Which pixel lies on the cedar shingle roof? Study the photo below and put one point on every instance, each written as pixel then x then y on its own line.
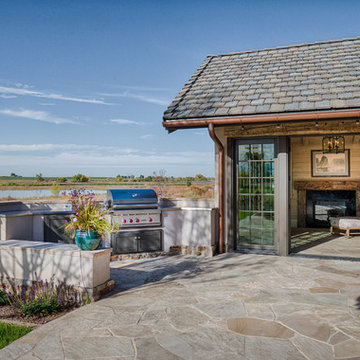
pixel 307 77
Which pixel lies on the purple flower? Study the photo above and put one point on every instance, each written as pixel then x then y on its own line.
pixel 74 219
pixel 65 221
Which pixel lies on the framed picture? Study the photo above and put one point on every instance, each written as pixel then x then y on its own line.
pixel 330 164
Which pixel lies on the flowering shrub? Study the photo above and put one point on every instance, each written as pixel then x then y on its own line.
pixel 43 298
pixel 88 215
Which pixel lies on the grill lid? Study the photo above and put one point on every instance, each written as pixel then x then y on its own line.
pixel 131 198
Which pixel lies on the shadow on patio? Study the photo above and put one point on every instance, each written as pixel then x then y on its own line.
pixel 319 243
pixel 165 269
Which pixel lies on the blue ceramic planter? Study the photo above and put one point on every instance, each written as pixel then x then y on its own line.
pixel 87 240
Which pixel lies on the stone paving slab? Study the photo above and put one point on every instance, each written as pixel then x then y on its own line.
pixel 232 306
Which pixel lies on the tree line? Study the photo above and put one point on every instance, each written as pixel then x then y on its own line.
pixel 157 177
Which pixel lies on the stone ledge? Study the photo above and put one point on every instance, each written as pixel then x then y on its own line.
pixel 50 248
pixel 207 251
pixel 137 256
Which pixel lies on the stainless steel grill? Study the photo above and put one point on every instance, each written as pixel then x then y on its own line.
pixel 131 199
pixel 139 218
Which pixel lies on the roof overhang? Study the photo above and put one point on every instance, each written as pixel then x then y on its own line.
pixel 172 125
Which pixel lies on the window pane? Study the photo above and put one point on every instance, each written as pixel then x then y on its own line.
pixel 268 203
pixel 268 220
pixel 256 152
pixel 244 218
pixel 269 169
pixel 244 235
pixel 244 227
pixel 255 168
pixel 268 186
pixel 269 237
pixel 256 202
pixel 244 202
pixel 243 169
pixel 244 152
pixel 256 220
pixel 268 151
pixel 256 236
pixel 243 186
pixel 256 186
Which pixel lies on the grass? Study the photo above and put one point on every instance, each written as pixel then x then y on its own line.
pixel 11 332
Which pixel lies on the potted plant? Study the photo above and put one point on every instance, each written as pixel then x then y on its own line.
pixel 88 223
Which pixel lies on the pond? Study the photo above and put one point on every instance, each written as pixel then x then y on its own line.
pixel 24 194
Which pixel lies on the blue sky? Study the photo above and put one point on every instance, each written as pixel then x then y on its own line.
pixel 84 84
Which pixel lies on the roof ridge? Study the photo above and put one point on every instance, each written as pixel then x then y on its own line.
pixel 285 47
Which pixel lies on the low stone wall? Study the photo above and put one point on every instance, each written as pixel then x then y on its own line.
pixel 27 261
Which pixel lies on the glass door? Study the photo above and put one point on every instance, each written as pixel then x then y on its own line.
pixel 255 194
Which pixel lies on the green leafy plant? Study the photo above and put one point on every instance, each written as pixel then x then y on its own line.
pixel 4 300
pixel 41 307
pixel 43 298
pixel 88 216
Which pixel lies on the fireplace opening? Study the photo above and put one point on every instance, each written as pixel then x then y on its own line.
pixel 322 204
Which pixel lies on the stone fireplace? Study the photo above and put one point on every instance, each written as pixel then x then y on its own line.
pixel 316 198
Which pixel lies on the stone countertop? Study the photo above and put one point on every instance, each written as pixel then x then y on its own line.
pixel 34 212
pixel 47 247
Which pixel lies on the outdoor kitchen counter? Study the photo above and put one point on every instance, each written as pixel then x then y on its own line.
pixel 189 227
pixel 34 212
pixel 26 221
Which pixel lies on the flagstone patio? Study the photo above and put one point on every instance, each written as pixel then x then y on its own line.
pixel 232 306
pixel 321 244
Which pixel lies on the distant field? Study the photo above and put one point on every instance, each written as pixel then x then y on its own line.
pixel 166 189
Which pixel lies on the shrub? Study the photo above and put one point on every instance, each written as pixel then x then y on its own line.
pixel 43 298
pixel 39 177
pixel 80 178
pixel 200 177
pixel 4 300
pixel 61 179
